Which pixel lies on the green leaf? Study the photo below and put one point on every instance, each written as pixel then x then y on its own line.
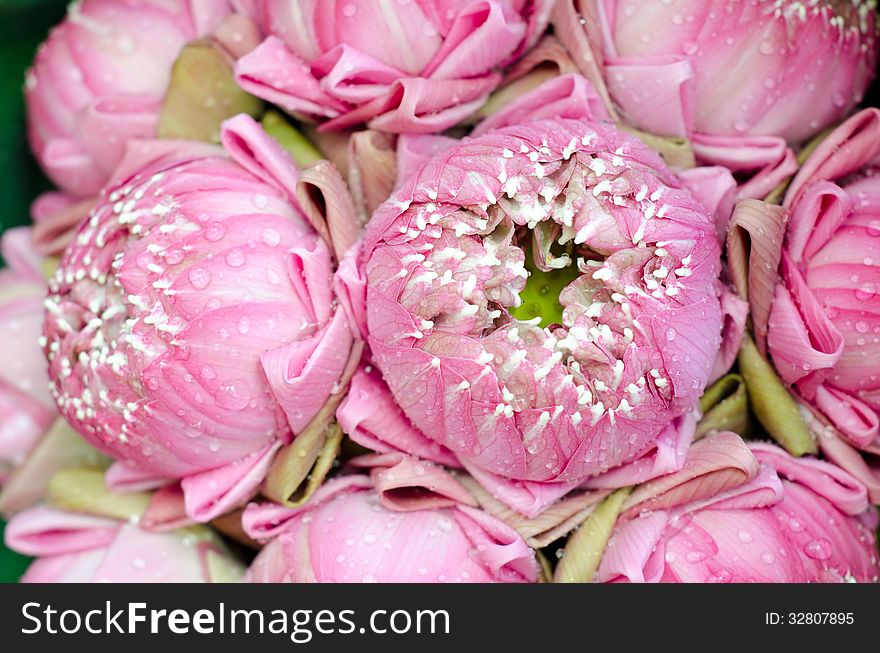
pixel 772 403
pixel 23 25
pixel 12 565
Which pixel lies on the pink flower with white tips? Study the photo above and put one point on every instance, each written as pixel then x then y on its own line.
pixel 401 67
pixel 72 547
pixel 622 265
pixel 791 520
pixel 739 79
pixel 99 81
pixel 356 529
pixel 192 326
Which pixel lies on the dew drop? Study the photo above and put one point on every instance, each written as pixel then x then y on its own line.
pixel 818 549
pixel 199 278
pixel 234 395
pixel 235 258
pixel 271 237
pixel 215 231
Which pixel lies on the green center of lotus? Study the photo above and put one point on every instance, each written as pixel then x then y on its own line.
pixel 540 297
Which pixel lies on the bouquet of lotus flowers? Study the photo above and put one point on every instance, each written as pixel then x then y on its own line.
pixel 483 291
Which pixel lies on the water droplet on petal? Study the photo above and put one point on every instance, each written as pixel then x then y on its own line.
pixel 234 395
pixel 199 278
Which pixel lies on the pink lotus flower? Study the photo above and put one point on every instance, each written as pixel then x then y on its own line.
pixel 797 68
pixel 824 324
pixel 634 261
pixel 795 520
pixel 411 67
pixel 26 406
pixel 360 530
pixel 81 548
pixel 192 326
pixel 99 81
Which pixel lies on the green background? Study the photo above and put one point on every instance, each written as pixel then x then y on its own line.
pixel 23 24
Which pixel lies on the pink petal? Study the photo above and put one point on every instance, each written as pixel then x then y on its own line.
pixel 852 145
pixel 272 72
pixel 210 494
pixel 405 484
pixel 566 96
pixel 768 159
pixel 654 93
pixel 45 531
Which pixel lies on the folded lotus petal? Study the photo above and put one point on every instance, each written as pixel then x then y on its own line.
pixel 801 337
pixel 422 106
pixel 764 490
pixel 371 417
pixel 554 522
pixel 480 36
pixel 715 188
pixel 769 160
pixel 263 521
pixel 666 455
pixel 546 61
pixel 635 551
pixel 584 42
pixel 44 531
pixel 853 419
pixel 327 203
pixel 350 286
pixel 855 143
pixel 754 249
pixel 415 150
pixel 713 465
pixel 59 447
pixel 208 495
pixel 352 76
pixel 256 152
pixel 835 485
pixel 303 374
pixel 55 216
pixel 126 116
pixel 123 476
pixel 87 94
pixel 372 171
pixel 22 259
pixel 567 96
pixel 272 72
pixel 654 93
pixel 404 483
pixel 498 546
pixel 822 210
pixel 528 498
pixel 735 312
pixel 167 510
pixel 862 465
